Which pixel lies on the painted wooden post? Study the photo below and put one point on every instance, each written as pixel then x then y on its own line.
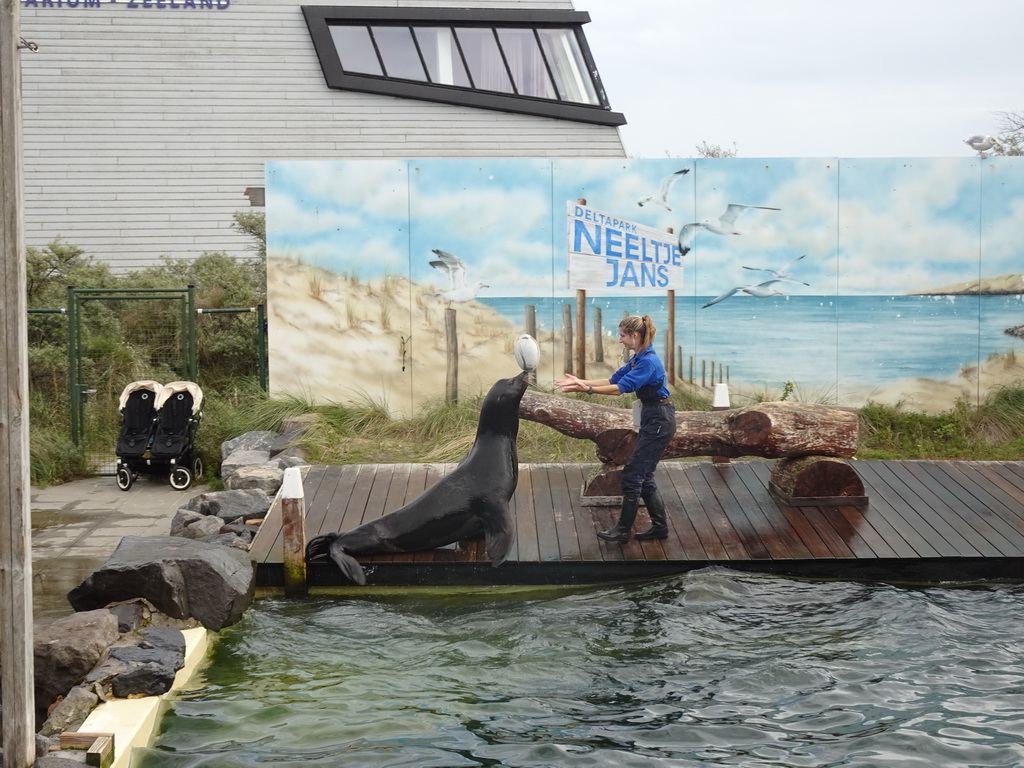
pixel 670 338
pixel 531 328
pixel 451 385
pixel 567 345
pixel 598 336
pixel 293 516
pixel 16 646
pixel 581 333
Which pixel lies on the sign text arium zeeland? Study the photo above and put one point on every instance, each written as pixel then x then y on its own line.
pixel 611 253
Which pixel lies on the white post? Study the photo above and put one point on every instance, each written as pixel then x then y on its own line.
pixel 720 402
pixel 293 514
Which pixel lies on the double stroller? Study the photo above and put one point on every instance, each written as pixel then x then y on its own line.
pixel 158 432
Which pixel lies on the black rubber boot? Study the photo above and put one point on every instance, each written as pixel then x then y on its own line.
pixel 620 531
pixel 659 523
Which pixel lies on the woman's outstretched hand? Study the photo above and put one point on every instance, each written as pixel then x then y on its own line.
pixel 571 384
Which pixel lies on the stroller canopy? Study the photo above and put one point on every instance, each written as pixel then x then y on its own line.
pixel 136 386
pixel 169 390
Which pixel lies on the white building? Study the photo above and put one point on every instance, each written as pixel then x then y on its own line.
pixel 147 122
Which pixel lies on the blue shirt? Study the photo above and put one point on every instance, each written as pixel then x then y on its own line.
pixel 644 368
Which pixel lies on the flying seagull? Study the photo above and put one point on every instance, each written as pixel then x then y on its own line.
pixel 666 184
pixel 455 269
pixel 781 274
pixel 759 291
pixel 981 144
pixel 723 225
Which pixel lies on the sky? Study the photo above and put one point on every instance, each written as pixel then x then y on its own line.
pixel 808 78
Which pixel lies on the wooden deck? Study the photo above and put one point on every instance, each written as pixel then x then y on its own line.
pixel 924 521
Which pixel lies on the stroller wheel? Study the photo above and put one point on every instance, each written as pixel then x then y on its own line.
pixel 197 468
pixel 181 479
pixel 125 478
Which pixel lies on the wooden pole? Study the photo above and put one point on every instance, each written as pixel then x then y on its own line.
pixel 598 336
pixel 16 644
pixel 293 516
pixel 581 333
pixel 567 346
pixel 451 386
pixel 670 338
pixel 531 328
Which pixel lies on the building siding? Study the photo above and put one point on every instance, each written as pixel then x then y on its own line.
pixel 144 126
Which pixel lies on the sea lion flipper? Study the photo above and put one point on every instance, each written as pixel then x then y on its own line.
pixel 318 548
pixel 350 567
pixel 498 542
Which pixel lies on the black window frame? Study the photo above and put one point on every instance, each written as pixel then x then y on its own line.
pixel 319 19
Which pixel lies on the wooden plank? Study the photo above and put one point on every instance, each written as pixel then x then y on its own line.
pixel 947 494
pixel 849 534
pixel 898 477
pixel 876 542
pixel 731 539
pixel 756 485
pixel 562 511
pixel 905 521
pixel 336 484
pixel 733 485
pixel 547 533
pixel 682 542
pixel 695 515
pixel 422 477
pixel 586 533
pixel 998 487
pixel 528 550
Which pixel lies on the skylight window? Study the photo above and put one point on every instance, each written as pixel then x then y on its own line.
pixel 533 62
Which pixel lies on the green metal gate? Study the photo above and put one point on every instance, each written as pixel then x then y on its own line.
pixel 157 333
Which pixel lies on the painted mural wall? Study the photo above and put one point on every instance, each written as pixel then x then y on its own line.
pixel 895 280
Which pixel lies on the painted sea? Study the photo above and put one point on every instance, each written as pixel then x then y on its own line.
pixel 832 343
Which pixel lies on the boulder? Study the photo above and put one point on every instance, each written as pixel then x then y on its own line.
pixel 230 505
pixel 239 459
pixel 180 577
pixel 71 712
pixel 182 519
pixel 265 478
pixel 198 529
pixel 66 649
pixel 250 441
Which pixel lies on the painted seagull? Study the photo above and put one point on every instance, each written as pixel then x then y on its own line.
pixel 982 144
pixel 759 291
pixel 723 225
pixel 455 269
pixel 666 184
pixel 781 274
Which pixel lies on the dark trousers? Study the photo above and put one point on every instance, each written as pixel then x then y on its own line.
pixel 657 426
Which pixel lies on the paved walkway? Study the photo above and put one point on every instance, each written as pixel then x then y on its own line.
pixel 76 526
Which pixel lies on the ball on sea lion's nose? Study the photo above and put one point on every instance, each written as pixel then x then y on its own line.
pixel 527 352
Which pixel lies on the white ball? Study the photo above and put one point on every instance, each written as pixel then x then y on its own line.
pixel 527 352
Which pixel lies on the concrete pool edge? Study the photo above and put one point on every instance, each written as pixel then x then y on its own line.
pixel 133 721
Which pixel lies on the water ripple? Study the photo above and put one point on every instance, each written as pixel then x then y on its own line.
pixel 711 669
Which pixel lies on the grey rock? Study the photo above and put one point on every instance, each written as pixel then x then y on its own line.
pixel 286 441
pixel 286 462
pixel 227 540
pixel 265 478
pixel 182 519
pixel 150 679
pixel 250 441
pixel 164 638
pixel 204 526
pixel 180 577
pixel 239 459
pixel 66 649
pixel 71 712
pixel 230 505
pixel 130 615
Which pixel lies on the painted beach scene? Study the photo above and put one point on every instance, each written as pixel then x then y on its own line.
pixel 845 280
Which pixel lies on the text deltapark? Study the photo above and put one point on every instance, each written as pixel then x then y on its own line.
pixel 203 5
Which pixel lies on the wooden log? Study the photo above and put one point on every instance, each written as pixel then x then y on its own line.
pixel 769 430
pixel 816 480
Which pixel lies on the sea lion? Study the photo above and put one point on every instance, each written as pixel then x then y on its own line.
pixel 470 502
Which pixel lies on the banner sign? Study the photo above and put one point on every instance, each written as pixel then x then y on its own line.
pixel 611 253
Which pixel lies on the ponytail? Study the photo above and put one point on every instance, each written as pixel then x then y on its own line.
pixel 642 325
